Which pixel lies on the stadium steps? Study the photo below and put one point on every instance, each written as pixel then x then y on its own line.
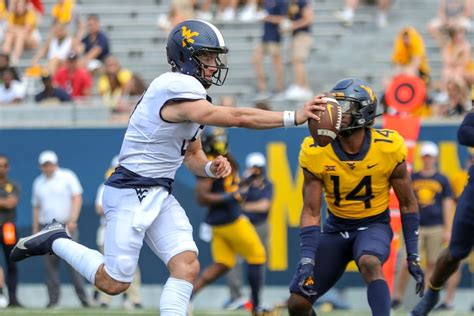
pixel 362 50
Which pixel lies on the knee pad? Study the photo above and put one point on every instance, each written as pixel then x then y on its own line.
pixel 126 265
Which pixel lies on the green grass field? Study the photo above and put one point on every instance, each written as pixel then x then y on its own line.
pixel 117 312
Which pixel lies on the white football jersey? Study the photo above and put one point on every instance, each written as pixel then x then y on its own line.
pixel 153 147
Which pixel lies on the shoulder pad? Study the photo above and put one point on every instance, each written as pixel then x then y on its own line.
pixel 177 86
pixel 388 140
pixel 309 150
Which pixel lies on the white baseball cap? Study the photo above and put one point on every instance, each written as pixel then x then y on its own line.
pixel 429 149
pixel 255 159
pixel 48 156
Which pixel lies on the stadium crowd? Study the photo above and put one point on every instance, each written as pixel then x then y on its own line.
pixel 74 60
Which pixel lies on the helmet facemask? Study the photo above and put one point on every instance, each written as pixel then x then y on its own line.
pixel 214 59
pixel 358 113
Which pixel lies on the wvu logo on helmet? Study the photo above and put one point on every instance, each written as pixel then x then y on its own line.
pixel 369 91
pixel 187 35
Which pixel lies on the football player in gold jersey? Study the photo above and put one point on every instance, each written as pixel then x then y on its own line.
pixel 232 232
pixel 355 172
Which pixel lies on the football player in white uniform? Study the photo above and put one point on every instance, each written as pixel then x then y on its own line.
pixel 163 132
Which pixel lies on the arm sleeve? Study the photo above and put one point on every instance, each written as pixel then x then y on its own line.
pixel 466 131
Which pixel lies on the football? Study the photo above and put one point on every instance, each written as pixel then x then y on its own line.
pixel 327 128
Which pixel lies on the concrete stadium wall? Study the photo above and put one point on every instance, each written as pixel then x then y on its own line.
pixel 88 151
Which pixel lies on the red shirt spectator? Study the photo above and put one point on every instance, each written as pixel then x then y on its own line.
pixel 75 80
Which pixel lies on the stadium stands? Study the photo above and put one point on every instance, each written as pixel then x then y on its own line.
pixel 362 50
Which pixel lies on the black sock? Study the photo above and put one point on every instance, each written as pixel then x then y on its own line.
pixel 1 290
pixel 378 295
pixel 255 281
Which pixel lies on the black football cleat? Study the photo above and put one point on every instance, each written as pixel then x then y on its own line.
pixel 40 243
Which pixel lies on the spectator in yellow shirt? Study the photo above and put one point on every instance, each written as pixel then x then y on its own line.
pixel 67 12
pixel 409 54
pixel 113 84
pixel 21 30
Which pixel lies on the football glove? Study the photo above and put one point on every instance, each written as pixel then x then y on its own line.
pixel 306 281
pixel 417 274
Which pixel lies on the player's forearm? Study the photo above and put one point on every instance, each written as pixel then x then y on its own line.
pixel 257 119
pixel 211 198
pixel 410 226
pixel 196 162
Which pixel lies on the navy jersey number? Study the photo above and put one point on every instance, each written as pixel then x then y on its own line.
pixel 354 195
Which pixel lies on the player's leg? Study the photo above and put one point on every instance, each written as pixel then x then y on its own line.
pixel 111 273
pixel 170 237
pixel 451 287
pixel 244 239
pixel 333 254
pixel 76 278
pixel 462 241
pixel 371 249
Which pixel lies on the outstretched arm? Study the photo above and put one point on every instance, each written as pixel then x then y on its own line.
pixel 203 112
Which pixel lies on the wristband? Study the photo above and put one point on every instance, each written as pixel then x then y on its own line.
pixel 208 171
pixel 307 261
pixel 289 118
pixel 309 241
pixel 411 225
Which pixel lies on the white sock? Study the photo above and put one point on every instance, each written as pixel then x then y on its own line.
pixel 175 297
pixel 84 260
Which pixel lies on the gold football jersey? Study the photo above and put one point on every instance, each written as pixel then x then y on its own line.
pixel 356 186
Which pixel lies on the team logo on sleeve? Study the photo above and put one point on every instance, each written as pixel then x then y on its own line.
pixel 187 35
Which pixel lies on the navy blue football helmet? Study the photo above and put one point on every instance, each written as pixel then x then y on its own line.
pixel 358 99
pixel 191 40
pixel 214 141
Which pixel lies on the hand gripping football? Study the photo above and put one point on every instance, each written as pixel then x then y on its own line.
pixel 327 128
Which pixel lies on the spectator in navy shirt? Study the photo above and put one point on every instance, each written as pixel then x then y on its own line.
pixel 435 201
pixel 51 94
pixel 300 13
pixel 95 44
pixel 271 45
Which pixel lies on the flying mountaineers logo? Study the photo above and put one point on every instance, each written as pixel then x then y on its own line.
pixel 351 165
pixel 187 35
pixel 141 193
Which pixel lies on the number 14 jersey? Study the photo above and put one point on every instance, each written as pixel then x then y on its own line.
pixel 356 186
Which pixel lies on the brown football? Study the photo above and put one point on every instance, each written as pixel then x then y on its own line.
pixel 327 128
